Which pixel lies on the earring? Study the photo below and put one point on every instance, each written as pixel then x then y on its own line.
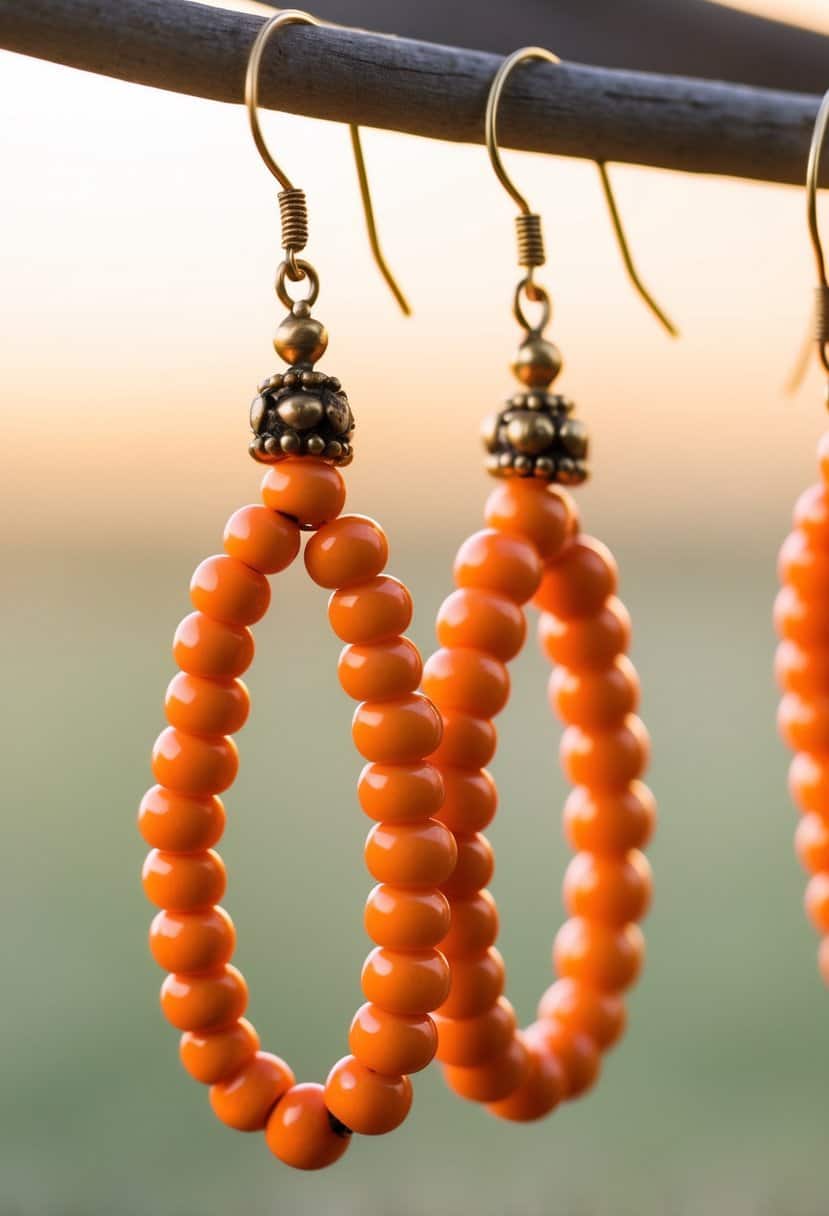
pixel 802 622
pixel 533 549
pixel 302 425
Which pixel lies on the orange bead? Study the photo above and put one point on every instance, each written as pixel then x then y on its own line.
pixel 576 1054
pixel 610 821
pixel 580 582
pixel 474 927
pixel 194 764
pixel 800 620
pixel 474 868
pixel 605 759
pixel 608 889
pixel 414 981
pixel 809 782
pixel 595 699
pixel 586 643
pixel 372 611
pixel 406 920
pixel 816 902
pixel 600 1015
pixel 538 1094
pixel 245 1100
pixel 391 1043
pixel 823 456
pixel 178 823
pixel 803 671
pixel 804 566
pixel 468 742
pixel 493 1080
pixel 192 941
pixel 218 1055
pixel 350 549
pixel 476 985
pixel 380 672
pixel 184 881
pixel 470 800
pixel 204 647
pixel 599 956
pixel 306 490
pixel 400 793
pixel 481 620
pixel 411 854
pixel 206 707
pixel 262 539
pixel 365 1101
pixel 803 724
pixel 469 1041
pixel 811 514
pixel 301 1132
pixel 466 680
pixel 493 561
pixel 396 732
pixel 812 843
pixel 225 589
pixel 204 1002
pixel 541 514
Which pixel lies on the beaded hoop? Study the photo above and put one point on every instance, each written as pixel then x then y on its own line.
pixel 408 852
pixel 532 548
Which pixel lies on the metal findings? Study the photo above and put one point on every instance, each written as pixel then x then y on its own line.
pixel 822 290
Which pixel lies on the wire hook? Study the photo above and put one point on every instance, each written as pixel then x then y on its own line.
pixel 812 177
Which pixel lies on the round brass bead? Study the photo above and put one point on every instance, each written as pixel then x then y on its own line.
pixel 315 445
pixel 290 444
pixel 530 432
pixel 538 362
pixel 302 411
pixel 544 467
pixel 573 435
pixel 489 431
pixel 300 339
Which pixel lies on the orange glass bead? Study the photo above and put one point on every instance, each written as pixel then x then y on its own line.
pixel 493 1080
pixel 610 821
pixel 301 1132
pixel 474 868
pixel 599 956
pixel 811 514
pixel 406 920
pixel 539 513
pixel 413 981
pixel 380 672
pixel 474 927
pixel 246 1100
pixel 469 1041
pixel 803 724
pixel 481 620
pixel 365 1101
pixel 396 732
pixel 494 561
pixel 600 1015
pixel 476 985
pixel 823 456
pixel 306 490
pixel 613 890
pixel 811 841
pixel 400 793
pixel 204 647
pixel 179 823
pixel 204 1002
pixel 589 642
pixel 809 782
pixel 350 549
pixel 803 671
pixel 262 539
pixel 411 854
pixel 206 707
pixel 538 1094
pixel 605 759
pixel 576 1054
pixel 225 589
pixel 470 800
pixel 580 582
pixel 800 620
pixel 595 699
pixel 804 566
pixel 371 611
pixel 816 902
pixel 192 941
pixel 194 764
pixel 184 881
pixel 466 680
pixel 468 742
pixel 391 1043
pixel 218 1055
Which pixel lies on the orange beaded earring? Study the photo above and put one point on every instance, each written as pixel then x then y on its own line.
pixel 533 549
pixel 801 617
pixel 302 427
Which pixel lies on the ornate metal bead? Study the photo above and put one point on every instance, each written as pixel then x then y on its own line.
pixel 534 435
pixel 301 412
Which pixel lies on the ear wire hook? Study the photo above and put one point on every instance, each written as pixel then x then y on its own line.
pixel 812 176
pixel 292 200
pixel 528 224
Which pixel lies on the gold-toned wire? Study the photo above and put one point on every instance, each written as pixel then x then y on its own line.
pixel 530 240
pixel 812 179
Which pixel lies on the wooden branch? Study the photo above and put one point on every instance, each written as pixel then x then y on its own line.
pixel 423 89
